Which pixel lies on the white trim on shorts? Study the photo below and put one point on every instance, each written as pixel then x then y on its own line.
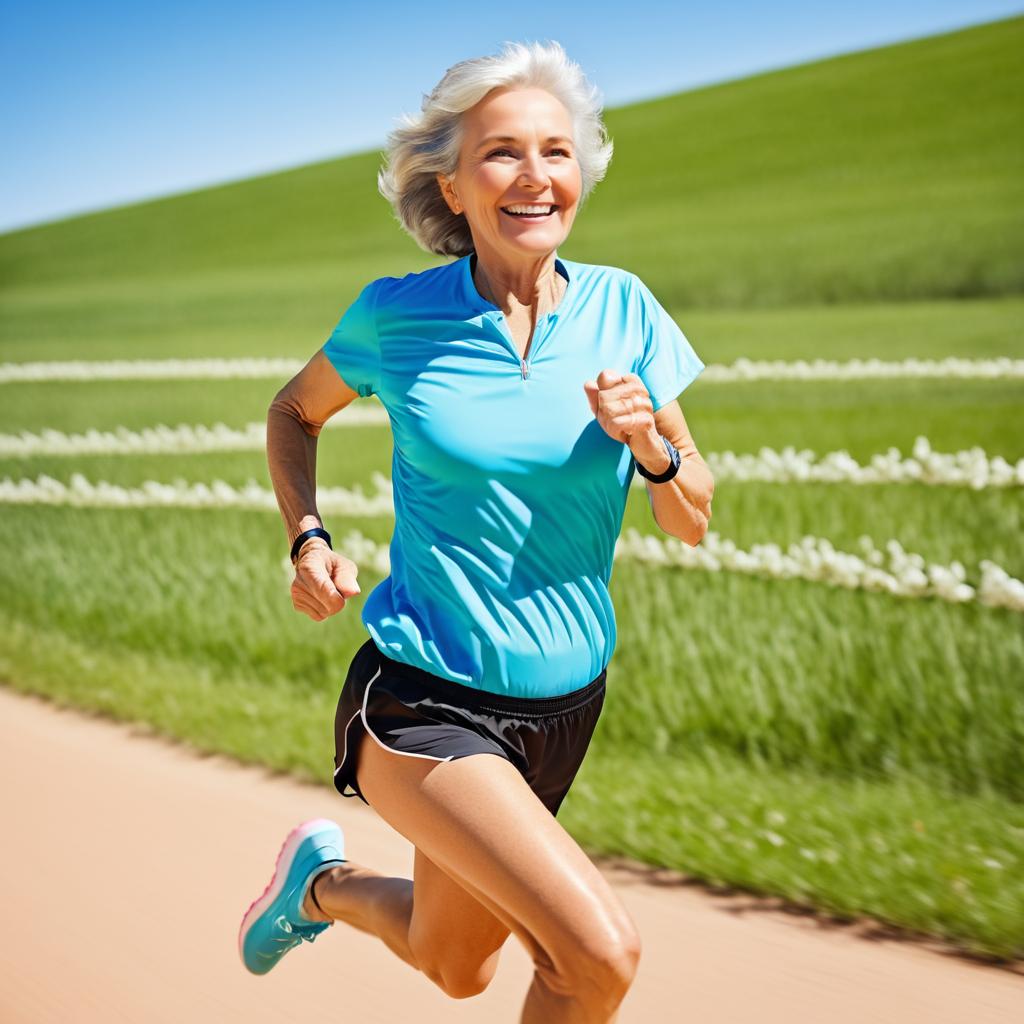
pixel 362 713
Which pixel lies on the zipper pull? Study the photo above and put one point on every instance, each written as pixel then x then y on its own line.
pixel 524 368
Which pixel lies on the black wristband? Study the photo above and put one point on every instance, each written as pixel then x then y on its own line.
pixel 673 465
pixel 303 537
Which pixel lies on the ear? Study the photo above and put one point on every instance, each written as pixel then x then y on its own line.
pixel 448 193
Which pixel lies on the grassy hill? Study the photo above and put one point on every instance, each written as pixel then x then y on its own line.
pixel 888 174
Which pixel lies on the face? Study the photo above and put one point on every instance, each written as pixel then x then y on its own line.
pixel 536 165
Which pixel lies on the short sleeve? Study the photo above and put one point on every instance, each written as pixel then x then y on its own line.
pixel 668 364
pixel 353 347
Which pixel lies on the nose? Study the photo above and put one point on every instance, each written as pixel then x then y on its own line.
pixel 534 172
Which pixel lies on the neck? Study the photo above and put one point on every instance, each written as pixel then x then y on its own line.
pixel 535 285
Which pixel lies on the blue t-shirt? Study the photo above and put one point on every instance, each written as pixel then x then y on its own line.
pixel 508 494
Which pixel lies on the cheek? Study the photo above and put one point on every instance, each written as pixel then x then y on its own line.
pixel 491 182
pixel 570 182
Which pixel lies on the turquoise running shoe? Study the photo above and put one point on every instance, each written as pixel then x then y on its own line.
pixel 274 922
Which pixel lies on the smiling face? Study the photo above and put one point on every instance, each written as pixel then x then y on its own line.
pixel 534 163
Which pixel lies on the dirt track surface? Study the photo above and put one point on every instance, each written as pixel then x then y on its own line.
pixel 129 861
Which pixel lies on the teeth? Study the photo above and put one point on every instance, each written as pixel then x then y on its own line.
pixel 528 209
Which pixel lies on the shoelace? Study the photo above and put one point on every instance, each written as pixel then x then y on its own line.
pixel 295 934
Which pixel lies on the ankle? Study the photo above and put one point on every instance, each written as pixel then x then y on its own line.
pixel 331 892
pixel 312 903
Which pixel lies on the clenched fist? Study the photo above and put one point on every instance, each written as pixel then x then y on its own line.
pixel 323 580
pixel 621 404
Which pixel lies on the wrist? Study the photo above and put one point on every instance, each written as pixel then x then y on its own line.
pixel 311 534
pixel 305 523
pixel 313 542
pixel 649 450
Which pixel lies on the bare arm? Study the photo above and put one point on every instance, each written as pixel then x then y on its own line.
pixel 294 421
pixel 621 404
pixel 682 505
pixel 296 416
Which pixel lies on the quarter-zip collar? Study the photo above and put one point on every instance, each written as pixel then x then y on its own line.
pixel 480 305
pixel 494 316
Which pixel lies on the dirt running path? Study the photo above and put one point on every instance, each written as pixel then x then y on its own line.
pixel 129 861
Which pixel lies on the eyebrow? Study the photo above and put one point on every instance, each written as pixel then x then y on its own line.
pixel 512 138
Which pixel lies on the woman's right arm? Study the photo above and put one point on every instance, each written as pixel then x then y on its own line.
pixel 324 578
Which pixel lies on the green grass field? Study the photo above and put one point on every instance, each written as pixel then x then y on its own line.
pixel 856 752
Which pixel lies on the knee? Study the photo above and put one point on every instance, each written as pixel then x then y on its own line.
pixel 602 970
pixel 614 963
pixel 462 979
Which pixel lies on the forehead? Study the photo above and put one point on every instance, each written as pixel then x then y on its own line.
pixel 514 112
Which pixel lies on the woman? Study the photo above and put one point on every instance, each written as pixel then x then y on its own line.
pixel 522 389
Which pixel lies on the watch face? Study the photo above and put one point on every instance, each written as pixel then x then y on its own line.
pixel 674 455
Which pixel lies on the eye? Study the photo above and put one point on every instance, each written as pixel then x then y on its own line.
pixel 557 149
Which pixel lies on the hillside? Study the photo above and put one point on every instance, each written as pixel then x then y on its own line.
pixel 889 174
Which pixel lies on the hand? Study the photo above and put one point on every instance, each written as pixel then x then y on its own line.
pixel 621 404
pixel 323 580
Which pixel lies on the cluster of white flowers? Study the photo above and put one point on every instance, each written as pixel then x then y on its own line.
pixel 45 490
pixel 968 468
pixel 158 440
pixel 149 369
pixel 860 369
pixel 907 574
pixel 740 370
pixel 894 571
pixel 183 439
pixel 971 467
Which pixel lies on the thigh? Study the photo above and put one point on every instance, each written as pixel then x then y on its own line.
pixel 477 819
pixel 449 924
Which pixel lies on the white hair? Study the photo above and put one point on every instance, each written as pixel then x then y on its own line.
pixel 428 143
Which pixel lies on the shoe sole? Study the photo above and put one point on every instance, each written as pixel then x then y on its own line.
pixel 281 868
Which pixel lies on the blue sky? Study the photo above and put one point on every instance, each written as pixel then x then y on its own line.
pixel 112 102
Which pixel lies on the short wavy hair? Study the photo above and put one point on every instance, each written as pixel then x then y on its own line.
pixel 428 143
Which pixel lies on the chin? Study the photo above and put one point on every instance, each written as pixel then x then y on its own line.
pixel 539 242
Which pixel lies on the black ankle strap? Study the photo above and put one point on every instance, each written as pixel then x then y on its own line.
pixel 312 893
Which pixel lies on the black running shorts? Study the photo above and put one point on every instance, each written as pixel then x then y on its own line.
pixel 417 713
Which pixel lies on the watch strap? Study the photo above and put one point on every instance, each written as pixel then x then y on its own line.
pixel 303 537
pixel 660 478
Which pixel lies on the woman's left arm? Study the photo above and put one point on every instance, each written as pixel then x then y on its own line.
pixel 682 505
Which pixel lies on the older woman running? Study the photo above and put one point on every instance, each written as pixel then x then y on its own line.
pixel 523 389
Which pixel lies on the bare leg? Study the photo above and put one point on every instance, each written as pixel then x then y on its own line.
pixel 383 906
pixel 367 900
pixel 476 820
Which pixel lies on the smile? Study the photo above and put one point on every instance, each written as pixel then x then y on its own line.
pixel 529 216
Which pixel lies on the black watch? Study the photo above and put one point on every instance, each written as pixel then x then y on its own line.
pixel 317 531
pixel 660 478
